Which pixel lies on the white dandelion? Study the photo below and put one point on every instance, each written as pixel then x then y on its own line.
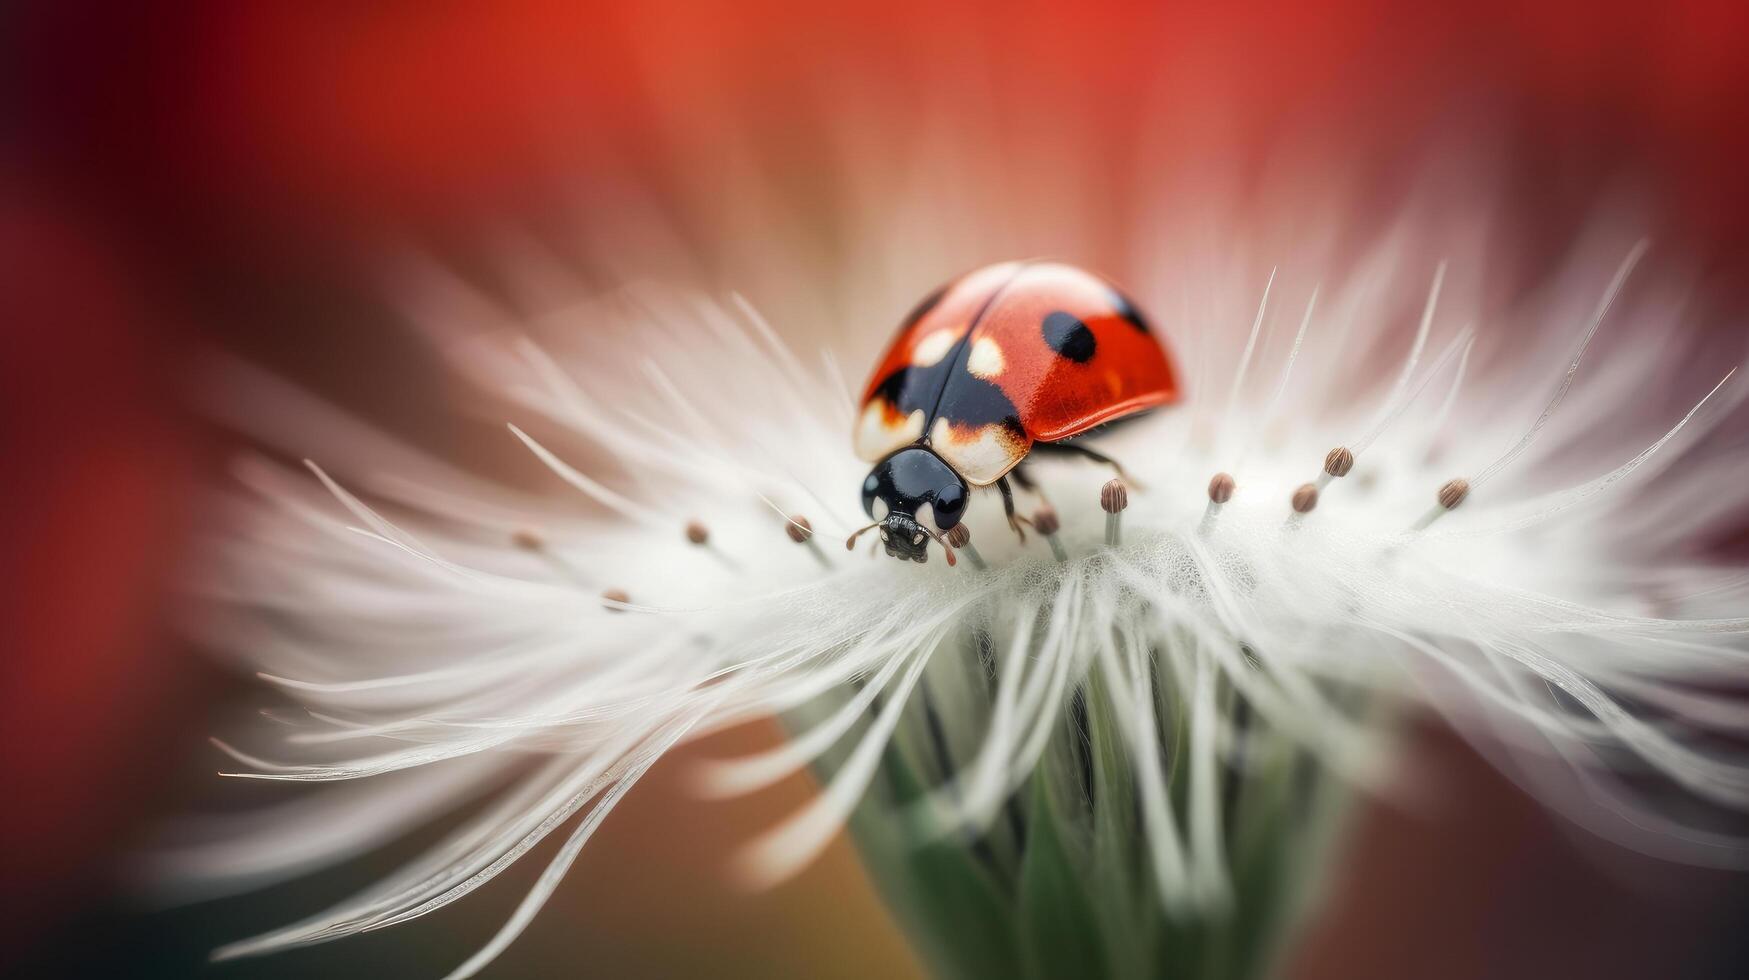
pixel 1383 492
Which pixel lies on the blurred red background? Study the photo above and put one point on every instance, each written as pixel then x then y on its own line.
pixel 178 178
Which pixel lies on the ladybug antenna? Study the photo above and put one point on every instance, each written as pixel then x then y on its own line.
pixel 946 548
pixel 850 543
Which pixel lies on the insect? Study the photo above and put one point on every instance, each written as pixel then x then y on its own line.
pixel 1003 361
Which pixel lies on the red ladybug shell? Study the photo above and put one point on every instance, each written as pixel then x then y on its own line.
pixel 1006 356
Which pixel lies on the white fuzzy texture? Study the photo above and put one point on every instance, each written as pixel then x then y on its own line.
pixel 423 641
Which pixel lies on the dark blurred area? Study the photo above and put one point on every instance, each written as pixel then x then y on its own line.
pixel 178 179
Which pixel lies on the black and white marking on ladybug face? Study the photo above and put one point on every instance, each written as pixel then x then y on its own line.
pixel 914 496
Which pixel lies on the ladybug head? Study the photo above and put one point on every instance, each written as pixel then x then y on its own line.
pixel 913 496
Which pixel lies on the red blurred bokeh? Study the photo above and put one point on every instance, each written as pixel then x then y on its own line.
pixel 178 177
pixel 257 120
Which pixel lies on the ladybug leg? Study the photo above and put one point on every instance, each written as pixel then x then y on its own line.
pixel 1024 481
pixel 1090 454
pixel 1014 520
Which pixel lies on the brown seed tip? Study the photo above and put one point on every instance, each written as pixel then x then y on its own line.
pixel 1339 462
pixel 616 595
pixel 1305 498
pixel 799 529
pixel 1046 521
pixel 1114 497
pixel 1453 493
pixel 959 536
pixel 1221 488
pixel 527 540
pixel 697 533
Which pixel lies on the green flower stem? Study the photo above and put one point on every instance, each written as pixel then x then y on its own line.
pixel 1061 884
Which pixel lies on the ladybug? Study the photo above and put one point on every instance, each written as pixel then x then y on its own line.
pixel 1011 358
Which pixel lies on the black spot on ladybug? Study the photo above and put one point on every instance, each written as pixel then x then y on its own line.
pixel 1069 337
pixel 968 400
pixel 911 388
pixel 1128 311
pixel 899 390
pixel 973 401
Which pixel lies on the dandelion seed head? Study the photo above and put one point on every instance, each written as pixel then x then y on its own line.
pixel 959 536
pixel 1047 522
pixel 410 607
pixel 1453 492
pixel 1221 487
pixel 1114 497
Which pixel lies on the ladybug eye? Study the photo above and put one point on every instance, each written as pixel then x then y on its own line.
pixel 950 502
